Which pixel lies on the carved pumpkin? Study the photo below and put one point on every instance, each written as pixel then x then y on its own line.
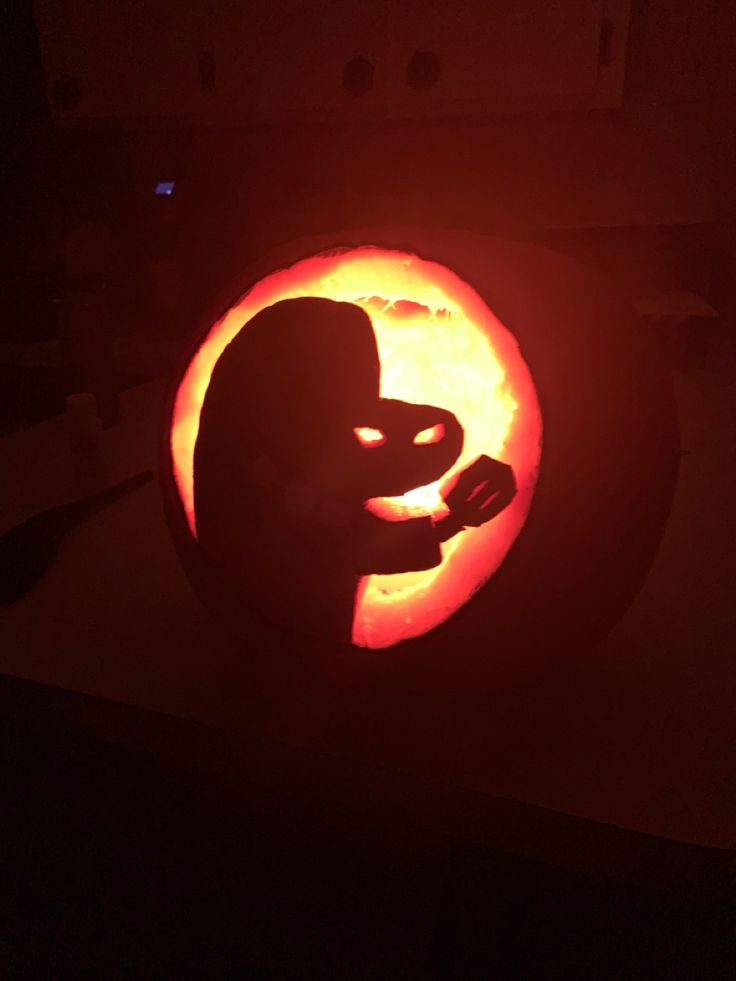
pixel 349 408
pixel 439 345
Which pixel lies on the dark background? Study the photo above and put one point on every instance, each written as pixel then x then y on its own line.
pixel 641 186
pixel 122 862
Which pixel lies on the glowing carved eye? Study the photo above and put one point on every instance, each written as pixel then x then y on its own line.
pixel 368 436
pixel 432 435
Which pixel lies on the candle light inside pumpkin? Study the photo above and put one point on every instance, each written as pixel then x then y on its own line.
pixel 438 344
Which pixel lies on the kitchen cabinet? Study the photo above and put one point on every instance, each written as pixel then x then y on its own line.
pixel 312 60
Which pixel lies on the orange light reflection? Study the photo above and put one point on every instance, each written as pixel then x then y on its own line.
pixel 368 436
pixel 427 436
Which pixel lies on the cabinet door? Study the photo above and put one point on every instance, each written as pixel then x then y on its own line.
pixel 299 59
pixel 237 60
pixel 450 57
pixel 117 58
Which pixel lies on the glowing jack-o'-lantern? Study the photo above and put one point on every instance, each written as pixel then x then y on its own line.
pixel 354 449
pixel 443 517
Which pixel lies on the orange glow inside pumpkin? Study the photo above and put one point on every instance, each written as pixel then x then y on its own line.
pixel 439 344
pixel 432 435
pixel 368 436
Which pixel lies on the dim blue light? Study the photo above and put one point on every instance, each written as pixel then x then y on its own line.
pixel 165 187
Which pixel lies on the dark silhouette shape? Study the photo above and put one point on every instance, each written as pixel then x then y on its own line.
pixel 293 440
pixel 27 550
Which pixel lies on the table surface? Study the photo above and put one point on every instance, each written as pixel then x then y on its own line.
pixel 641 734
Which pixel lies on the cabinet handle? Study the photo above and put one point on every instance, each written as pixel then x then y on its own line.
pixel 423 70
pixel 605 42
pixel 357 76
pixel 206 69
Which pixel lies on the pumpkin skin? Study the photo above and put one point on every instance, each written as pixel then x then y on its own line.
pixel 606 478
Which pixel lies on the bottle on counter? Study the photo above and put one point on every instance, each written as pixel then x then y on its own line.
pixel 86 443
pixel 85 320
